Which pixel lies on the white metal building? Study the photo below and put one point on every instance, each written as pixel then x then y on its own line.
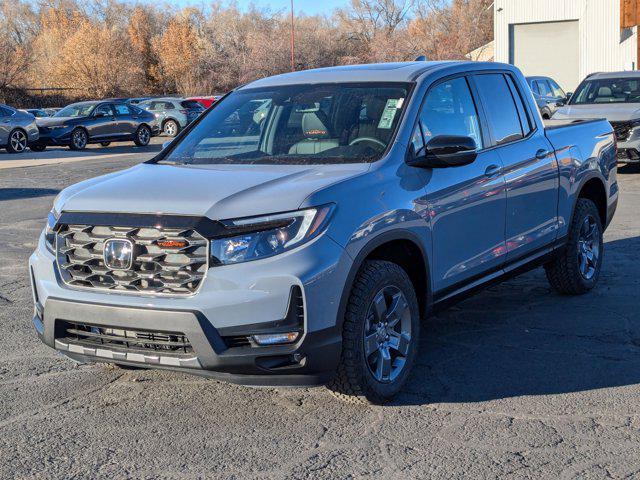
pixel 564 39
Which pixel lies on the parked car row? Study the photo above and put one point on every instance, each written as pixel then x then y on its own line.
pixel 98 122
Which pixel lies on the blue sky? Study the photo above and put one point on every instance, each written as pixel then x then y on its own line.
pixel 309 7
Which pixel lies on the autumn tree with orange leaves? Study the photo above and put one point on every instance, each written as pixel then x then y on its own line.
pixel 98 48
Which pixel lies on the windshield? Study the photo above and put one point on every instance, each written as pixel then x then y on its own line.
pixel 321 123
pixel 77 110
pixel 607 90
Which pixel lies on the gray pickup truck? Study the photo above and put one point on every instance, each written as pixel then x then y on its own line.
pixel 299 230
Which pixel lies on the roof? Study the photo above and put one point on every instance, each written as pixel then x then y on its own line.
pixel 626 74
pixel 375 72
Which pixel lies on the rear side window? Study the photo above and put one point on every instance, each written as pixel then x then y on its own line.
pixel 500 107
pixel 122 110
pixel 524 119
pixel 191 104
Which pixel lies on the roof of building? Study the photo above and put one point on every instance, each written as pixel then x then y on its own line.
pixel 374 72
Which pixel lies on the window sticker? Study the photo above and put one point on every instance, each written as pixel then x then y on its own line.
pixel 389 113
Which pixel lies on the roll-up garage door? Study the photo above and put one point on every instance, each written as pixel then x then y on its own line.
pixel 550 49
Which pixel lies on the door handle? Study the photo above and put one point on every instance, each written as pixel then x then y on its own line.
pixel 492 171
pixel 542 154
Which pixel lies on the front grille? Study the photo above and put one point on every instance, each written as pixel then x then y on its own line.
pixel 176 267
pixel 622 130
pixel 118 339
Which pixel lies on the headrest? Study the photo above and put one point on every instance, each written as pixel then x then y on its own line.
pixel 315 125
pixel 375 107
pixel 605 92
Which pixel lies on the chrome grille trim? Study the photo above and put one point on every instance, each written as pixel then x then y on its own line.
pixel 156 270
pixel 622 130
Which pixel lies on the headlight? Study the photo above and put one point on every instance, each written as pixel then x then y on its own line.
pixel 49 233
pixel 261 237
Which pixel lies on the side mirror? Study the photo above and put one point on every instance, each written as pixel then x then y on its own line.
pixel 100 115
pixel 568 96
pixel 445 151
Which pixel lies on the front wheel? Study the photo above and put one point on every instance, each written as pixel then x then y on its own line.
pixel 17 142
pixel 143 136
pixel 576 269
pixel 380 334
pixel 79 139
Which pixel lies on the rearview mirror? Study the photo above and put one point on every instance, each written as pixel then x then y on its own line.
pixel 445 151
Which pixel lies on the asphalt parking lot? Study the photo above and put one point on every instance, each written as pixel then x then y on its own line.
pixel 516 382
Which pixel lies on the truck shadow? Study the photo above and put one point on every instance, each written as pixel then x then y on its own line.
pixel 520 338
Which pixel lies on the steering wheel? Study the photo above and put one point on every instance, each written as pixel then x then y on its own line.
pixel 368 139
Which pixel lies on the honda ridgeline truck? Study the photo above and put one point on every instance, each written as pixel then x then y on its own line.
pixel 297 232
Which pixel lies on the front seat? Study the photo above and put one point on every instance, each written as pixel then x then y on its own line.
pixel 318 136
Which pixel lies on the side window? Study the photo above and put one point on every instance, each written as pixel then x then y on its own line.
pixel 543 88
pixel 104 110
pixel 534 87
pixel 122 110
pixel 448 109
pixel 5 112
pixel 500 107
pixel 522 112
pixel 557 91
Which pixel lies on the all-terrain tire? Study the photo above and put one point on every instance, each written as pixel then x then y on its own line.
pixel 353 381
pixel 564 272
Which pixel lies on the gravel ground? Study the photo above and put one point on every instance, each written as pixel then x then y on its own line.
pixel 516 382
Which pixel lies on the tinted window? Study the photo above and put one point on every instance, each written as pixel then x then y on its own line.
pixel 524 120
pixel 448 109
pixel 500 107
pixel 103 109
pixel 5 112
pixel 192 104
pixel 122 110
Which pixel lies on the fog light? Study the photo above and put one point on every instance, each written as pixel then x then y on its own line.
pixel 275 338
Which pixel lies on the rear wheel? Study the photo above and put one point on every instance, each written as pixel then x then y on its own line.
pixel 143 136
pixel 79 139
pixel 380 335
pixel 171 128
pixel 576 269
pixel 18 141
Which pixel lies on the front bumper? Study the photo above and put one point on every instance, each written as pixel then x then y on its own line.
pixel 54 138
pixel 234 300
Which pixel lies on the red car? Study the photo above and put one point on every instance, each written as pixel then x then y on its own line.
pixel 206 102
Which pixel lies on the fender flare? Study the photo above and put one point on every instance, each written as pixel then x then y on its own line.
pixel 382 238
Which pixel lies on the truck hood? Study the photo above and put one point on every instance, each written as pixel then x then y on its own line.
pixel 618 112
pixel 214 191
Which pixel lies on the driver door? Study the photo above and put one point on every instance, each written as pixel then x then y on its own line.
pixel 103 123
pixel 466 204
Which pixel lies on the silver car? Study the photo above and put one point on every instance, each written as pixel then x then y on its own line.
pixel 616 97
pixel 173 114
pixel 17 129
